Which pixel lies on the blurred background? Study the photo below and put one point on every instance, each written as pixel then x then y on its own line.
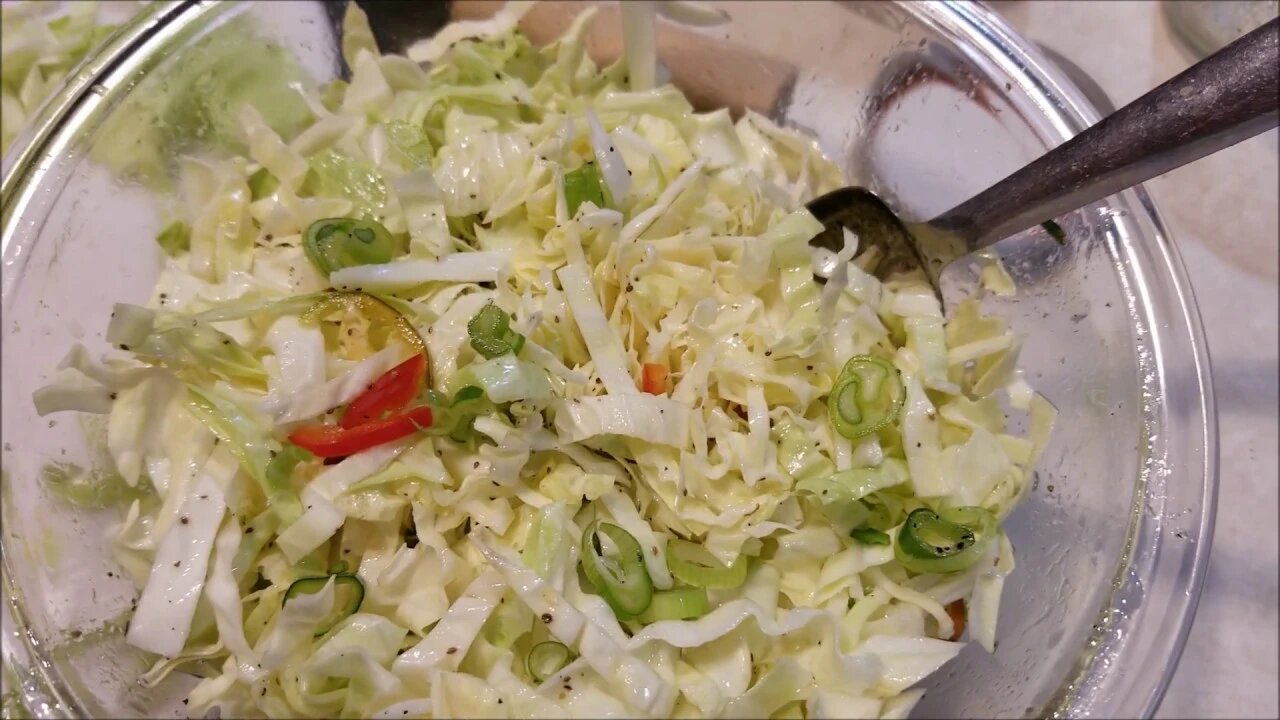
pixel 1221 211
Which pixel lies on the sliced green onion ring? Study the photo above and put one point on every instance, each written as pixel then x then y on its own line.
pixel 547 659
pixel 336 243
pixel 582 185
pixel 279 474
pixel 870 536
pixel 175 238
pixel 887 510
pixel 946 540
pixel 348 595
pixel 693 564
pixel 867 396
pixel 1055 231
pixel 685 603
pixel 455 418
pixel 491 333
pixel 618 573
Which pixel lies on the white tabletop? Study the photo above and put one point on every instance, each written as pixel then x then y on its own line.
pixel 1222 214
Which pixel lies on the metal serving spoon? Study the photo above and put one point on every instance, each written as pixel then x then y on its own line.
pixel 1224 99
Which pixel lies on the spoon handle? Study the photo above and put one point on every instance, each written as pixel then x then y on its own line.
pixel 1221 100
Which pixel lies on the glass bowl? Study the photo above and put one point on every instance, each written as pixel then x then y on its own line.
pixel 925 103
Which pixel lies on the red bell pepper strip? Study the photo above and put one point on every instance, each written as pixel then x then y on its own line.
pixel 328 441
pixel 389 393
pixel 653 378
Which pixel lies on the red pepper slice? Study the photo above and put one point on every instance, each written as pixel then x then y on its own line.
pixel 390 392
pixel 335 441
pixel 653 378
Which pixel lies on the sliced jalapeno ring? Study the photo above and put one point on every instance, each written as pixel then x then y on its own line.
pixel 944 541
pixel 385 323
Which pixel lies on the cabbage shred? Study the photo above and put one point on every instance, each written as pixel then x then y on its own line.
pixel 42 44
pixel 686 246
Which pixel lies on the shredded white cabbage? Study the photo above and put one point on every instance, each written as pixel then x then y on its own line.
pixel 43 42
pixel 168 602
pixel 659 360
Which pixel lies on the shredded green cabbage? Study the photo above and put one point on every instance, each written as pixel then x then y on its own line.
pixel 43 42
pixel 681 254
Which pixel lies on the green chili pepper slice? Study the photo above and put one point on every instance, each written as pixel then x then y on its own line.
pixel 866 397
pixel 336 243
pixel 693 564
pixel 684 603
pixel 547 659
pixel 582 185
pixel 348 594
pixel 618 573
pixel 491 333
pixel 944 541
pixel 384 322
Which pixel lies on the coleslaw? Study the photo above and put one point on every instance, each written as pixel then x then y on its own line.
pixel 506 387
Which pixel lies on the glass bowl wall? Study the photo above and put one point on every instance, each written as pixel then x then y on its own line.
pixel 925 103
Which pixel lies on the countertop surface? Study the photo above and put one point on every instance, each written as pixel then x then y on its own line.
pixel 1222 215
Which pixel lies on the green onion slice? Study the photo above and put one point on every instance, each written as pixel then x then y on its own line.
pixel 693 564
pixel 348 594
pixel 1055 231
pixel 262 183
pixel 279 475
pixel 617 570
pixel 944 541
pixel 685 603
pixel 869 536
pixel 491 333
pixel 582 185
pixel 866 397
pixel 336 243
pixel 175 238
pixel 547 659
pixel 455 418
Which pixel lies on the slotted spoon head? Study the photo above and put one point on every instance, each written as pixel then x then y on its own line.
pixel 903 246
